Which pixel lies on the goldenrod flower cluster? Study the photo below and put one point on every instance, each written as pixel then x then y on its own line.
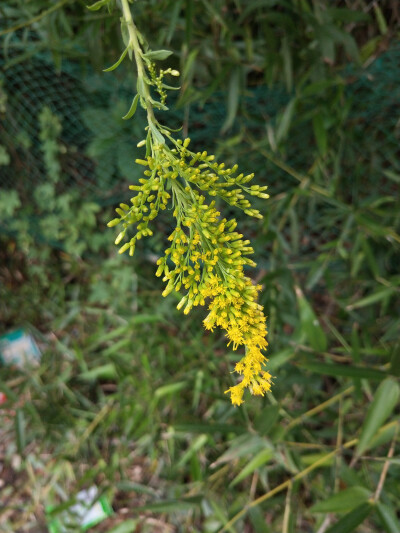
pixel 206 257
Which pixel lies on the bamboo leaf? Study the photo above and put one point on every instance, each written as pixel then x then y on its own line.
pixel 349 522
pixel 377 296
pixel 380 18
pixel 345 500
pixel 285 121
pixel 385 400
pixel 194 448
pixel 310 324
pixel 260 459
pixel 233 100
pixel 169 506
pixel 384 435
pixel 388 518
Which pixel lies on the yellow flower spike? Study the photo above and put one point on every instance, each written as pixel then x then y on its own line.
pixel 205 259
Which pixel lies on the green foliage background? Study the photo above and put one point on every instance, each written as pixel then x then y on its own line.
pixel 129 394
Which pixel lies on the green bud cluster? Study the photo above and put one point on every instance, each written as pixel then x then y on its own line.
pixel 157 81
pixel 183 175
pixel 201 170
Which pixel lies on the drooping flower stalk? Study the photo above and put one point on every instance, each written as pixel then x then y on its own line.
pixel 206 257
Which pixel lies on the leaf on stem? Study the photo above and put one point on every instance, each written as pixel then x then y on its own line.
pixel 132 109
pixel 157 55
pixel 113 67
pixel 98 5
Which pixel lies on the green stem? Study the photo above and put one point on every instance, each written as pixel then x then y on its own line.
pixel 133 40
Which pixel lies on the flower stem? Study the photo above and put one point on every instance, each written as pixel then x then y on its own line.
pixel 134 42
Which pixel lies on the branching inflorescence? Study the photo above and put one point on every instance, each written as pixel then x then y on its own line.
pixel 206 257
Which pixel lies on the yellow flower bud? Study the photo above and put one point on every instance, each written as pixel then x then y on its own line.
pixel 113 222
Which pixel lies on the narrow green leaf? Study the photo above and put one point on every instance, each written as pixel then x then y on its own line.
pixel 385 400
pixel 221 515
pixel 132 109
pixel 173 19
pixel 348 15
pixel 259 460
pixel 345 500
pixel 257 518
pixel 395 359
pixel 169 506
pixel 170 88
pixel 253 6
pixel 380 19
pixel 100 372
pixel 143 318
pixel 349 522
pixel 169 389
pixel 320 133
pixel 157 55
pixel 189 67
pixel 388 518
pixel 280 358
pixel 320 87
pixel 157 135
pixel 125 35
pixel 113 67
pixel 211 429
pixel 128 486
pixel 20 430
pixel 285 121
pixel 287 63
pixel 242 446
pixel 392 175
pixel 194 448
pixel 98 5
pixel 350 371
pixel 377 296
pixel 327 44
pixel 266 419
pixel 158 105
pixel 384 435
pixel 310 324
pixel 141 88
pixel 233 99
pixel 148 144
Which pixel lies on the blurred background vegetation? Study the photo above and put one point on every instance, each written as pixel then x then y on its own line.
pixel 129 395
